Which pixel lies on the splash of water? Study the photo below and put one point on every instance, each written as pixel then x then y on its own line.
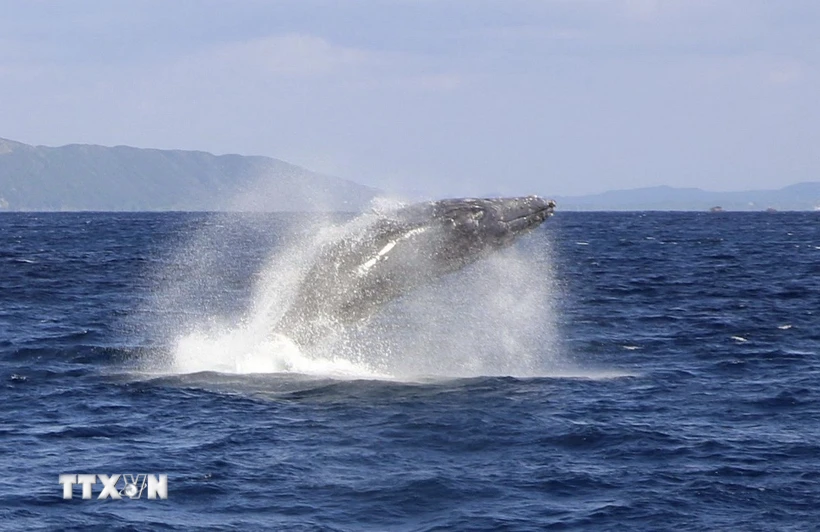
pixel 241 351
pixel 496 317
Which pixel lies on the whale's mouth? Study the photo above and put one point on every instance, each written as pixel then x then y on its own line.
pixel 523 213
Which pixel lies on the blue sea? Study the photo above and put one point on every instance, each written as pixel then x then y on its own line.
pixel 611 371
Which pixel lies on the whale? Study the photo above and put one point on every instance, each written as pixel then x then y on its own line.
pixel 398 251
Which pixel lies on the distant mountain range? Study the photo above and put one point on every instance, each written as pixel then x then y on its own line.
pixel 81 177
pixel 799 197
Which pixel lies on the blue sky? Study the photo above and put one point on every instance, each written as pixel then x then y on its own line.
pixel 448 97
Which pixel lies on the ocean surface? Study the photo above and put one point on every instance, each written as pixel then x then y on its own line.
pixel 612 371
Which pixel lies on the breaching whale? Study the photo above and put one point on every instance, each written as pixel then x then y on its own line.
pixel 351 278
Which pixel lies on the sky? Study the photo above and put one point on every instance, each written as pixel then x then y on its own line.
pixel 441 97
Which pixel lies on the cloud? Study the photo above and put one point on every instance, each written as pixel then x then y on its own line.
pixel 291 56
pixel 641 9
pixel 279 61
pixel 788 71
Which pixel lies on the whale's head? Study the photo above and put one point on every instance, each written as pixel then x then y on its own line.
pixel 434 238
pixel 454 232
pixel 488 224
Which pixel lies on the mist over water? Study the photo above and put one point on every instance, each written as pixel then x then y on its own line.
pixel 218 298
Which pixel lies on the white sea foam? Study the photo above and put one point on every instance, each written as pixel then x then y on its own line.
pixel 240 351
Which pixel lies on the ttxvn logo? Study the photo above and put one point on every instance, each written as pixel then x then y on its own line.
pixel 117 486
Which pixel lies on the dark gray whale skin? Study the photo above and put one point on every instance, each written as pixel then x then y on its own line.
pixel 352 278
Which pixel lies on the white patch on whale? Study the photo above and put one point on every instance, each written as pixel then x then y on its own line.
pixel 364 267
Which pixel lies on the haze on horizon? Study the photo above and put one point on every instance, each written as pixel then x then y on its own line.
pixel 447 97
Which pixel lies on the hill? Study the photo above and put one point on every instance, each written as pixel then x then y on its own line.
pixel 798 197
pixel 87 177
